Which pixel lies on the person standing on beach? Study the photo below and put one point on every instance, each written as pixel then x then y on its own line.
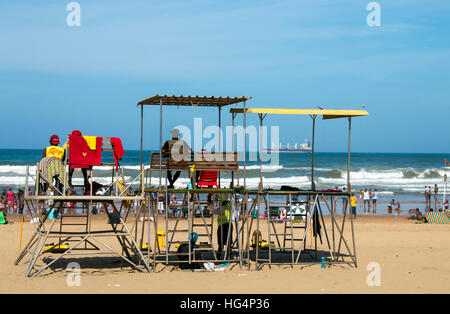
pixel 429 196
pixel 353 205
pixel 21 201
pixel 10 200
pixel 436 200
pixel 2 204
pixel 361 199
pixel 366 200
pixel 374 201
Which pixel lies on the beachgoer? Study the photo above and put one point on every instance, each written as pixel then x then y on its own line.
pixel 366 197
pixel 412 213
pixel 175 149
pixel 374 201
pixel 390 207
pixel 361 199
pixel 429 191
pixel 224 227
pixel 70 205
pixel 161 203
pixel 436 200
pixel 397 209
pixel 4 195
pixel 3 205
pixel 10 199
pixel 353 204
pixel 21 201
pixel 421 218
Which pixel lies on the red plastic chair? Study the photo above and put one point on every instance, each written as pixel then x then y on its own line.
pixel 208 180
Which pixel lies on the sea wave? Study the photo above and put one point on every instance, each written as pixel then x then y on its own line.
pixel 395 179
pixel 265 168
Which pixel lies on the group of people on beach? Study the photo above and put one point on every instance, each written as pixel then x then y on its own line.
pixel 428 193
pixel 368 200
pixel 12 202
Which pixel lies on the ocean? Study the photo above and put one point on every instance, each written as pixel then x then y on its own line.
pixel 402 177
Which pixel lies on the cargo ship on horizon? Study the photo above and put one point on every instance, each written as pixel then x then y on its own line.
pixel 305 147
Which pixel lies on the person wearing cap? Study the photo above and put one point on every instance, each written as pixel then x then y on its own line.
pixel 54 150
pixel 223 225
pixel 175 149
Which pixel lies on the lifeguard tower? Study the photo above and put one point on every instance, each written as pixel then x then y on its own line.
pixel 64 227
pixel 206 166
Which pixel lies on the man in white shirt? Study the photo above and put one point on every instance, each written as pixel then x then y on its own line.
pixel 366 200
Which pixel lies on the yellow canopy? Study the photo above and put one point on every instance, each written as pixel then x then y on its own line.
pixel 327 114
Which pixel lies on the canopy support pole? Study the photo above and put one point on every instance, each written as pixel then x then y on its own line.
pixel 313 185
pixel 220 138
pixel 349 188
pixel 160 141
pixel 245 145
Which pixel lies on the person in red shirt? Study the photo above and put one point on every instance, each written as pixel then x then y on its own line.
pixel 10 199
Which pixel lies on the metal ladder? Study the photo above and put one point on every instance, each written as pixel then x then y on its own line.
pixel 288 233
pixel 171 232
pixel 291 224
pixel 203 226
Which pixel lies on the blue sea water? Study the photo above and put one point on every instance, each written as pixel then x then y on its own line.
pixel 399 176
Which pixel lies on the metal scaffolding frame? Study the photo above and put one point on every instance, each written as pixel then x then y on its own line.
pixel 150 230
pixel 313 195
pixel 87 240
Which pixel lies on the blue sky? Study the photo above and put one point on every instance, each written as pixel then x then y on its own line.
pixel 287 54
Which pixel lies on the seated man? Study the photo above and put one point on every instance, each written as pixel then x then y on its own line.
pixel 54 150
pixel 52 166
pixel 174 149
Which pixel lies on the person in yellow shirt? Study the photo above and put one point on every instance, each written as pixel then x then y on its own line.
pixel 353 204
pixel 223 225
pixel 54 150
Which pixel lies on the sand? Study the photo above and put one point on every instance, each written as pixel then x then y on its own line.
pixel 413 258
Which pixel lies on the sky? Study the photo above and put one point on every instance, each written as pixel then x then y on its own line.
pixel 55 78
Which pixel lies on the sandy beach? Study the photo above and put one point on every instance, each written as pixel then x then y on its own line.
pixel 412 258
